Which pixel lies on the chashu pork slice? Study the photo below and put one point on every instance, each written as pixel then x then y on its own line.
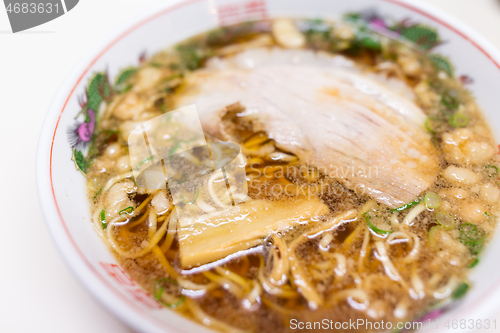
pixel 365 131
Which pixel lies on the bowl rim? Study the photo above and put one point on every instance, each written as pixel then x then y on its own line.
pixel 89 277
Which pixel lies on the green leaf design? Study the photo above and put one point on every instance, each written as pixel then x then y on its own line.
pixel 98 85
pixel 370 43
pixel 352 17
pixel 94 98
pixel 191 55
pixel 80 161
pixel 442 63
pixel 422 35
pixel 123 77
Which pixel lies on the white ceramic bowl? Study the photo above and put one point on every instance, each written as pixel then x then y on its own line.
pixel 62 189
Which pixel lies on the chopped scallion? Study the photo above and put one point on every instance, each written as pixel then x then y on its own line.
pixel 470 233
pixel 450 101
pixel 127 210
pixel 173 149
pixel 183 179
pixel 430 124
pixel 460 291
pixel 144 161
pixel 474 263
pixel 158 292
pixel 374 228
pixel 432 200
pixel 445 219
pixel 491 170
pixel 103 219
pixel 97 193
pixel 193 200
pixel 406 206
pixel 472 237
pixel 458 120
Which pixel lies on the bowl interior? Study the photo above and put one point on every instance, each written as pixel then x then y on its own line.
pixel 62 187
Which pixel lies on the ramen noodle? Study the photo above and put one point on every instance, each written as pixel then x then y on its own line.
pixel 371 175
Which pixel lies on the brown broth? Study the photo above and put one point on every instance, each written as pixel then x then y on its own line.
pixel 440 263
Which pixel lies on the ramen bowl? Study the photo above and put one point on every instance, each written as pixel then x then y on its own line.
pixel 62 189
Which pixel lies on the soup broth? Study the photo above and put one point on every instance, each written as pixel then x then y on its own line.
pixel 391 238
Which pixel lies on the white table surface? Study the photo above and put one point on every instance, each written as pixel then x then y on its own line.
pixel 37 291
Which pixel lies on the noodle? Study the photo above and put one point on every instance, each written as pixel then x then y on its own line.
pixel 281 266
pixel 153 241
pixel 152 224
pixel 253 299
pixel 233 277
pixel 413 213
pixel 364 248
pixel 390 270
pixel 139 221
pixel 172 228
pixel 226 283
pixel 270 288
pixel 327 239
pixel 161 256
pixel 212 322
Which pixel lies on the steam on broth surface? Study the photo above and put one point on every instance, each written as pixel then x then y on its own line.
pixel 371 170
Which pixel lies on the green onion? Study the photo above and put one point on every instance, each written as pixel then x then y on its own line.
pixel 103 219
pixel 144 161
pixel 445 219
pixel 474 263
pixel 449 101
pixel 475 247
pixel 173 149
pixel 470 233
pixel 374 228
pixel 127 210
pixel 97 193
pixel 428 124
pixel 460 291
pixel 472 237
pixel 158 292
pixel 194 199
pixel 491 170
pixel 458 120
pixel 183 179
pixel 406 206
pixel 432 200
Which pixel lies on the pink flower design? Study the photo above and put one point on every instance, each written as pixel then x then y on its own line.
pixel 81 134
pixel 85 130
